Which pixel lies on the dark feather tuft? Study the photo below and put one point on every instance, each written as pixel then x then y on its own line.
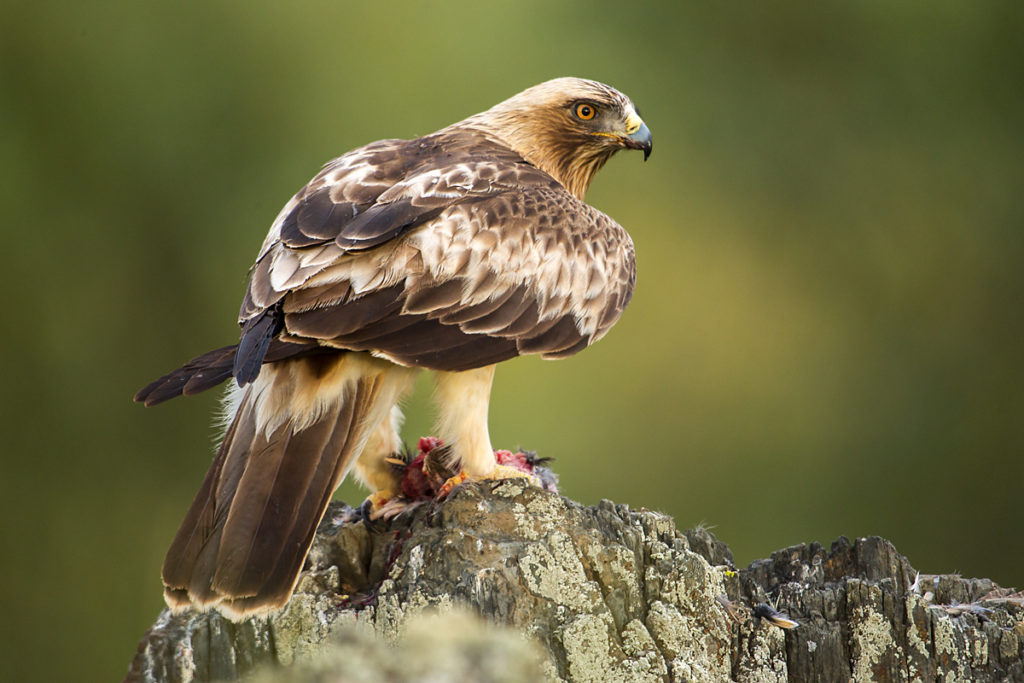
pixel 256 337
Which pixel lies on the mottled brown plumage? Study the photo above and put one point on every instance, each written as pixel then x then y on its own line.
pixel 450 252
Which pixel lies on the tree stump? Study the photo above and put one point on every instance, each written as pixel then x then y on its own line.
pixel 527 585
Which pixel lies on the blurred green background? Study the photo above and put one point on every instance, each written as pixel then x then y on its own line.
pixel 826 335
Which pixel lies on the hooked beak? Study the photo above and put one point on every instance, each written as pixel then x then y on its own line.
pixel 638 135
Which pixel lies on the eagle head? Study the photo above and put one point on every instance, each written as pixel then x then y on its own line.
pixel 569 128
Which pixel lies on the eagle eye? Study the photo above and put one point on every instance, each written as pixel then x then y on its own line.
pixel 584 111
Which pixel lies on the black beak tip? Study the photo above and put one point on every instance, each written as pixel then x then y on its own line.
pixel 642 140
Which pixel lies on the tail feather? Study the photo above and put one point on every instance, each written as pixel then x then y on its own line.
pixel 245 538
pixel 268 513
pixel 366 400
pixel 195 545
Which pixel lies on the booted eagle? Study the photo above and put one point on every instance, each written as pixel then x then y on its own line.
pixel 450 252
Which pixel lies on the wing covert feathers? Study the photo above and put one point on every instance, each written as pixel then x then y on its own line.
pixel 212 368
pixel 446 252
pixel 446 261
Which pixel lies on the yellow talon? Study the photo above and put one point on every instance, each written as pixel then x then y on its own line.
pixel 499 472
pixel 451 483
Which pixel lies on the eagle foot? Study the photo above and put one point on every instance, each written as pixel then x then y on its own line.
pixel 499 472
pixel 373 510
pixel 426 474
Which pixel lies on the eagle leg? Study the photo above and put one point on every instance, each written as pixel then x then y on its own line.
pixel 381 468
pixel 403 480
pixel 463 399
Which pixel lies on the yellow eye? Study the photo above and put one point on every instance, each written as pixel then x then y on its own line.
pixel 584 111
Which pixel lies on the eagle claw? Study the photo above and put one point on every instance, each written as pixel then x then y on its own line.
pixel 373 524
pixel 498 473
pixel 449 485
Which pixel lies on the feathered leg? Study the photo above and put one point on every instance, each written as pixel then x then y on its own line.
pixel 463 399
pixel 297 431
pixel 376 469
pixel 372 468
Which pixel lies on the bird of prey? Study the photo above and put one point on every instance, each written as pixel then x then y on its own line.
pixel 450 252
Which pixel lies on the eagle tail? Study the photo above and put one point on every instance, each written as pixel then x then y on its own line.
pixel 296 432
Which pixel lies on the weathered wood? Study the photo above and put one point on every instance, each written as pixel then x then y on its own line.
pixel 602 593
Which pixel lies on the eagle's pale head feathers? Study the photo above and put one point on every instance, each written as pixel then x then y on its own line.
pixel 567 127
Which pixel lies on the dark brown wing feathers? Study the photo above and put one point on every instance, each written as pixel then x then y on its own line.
pixel 207 370
pixel 514 319
pixel 460 209
pixel 351 316
pixel 212 368
pixel 257 333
